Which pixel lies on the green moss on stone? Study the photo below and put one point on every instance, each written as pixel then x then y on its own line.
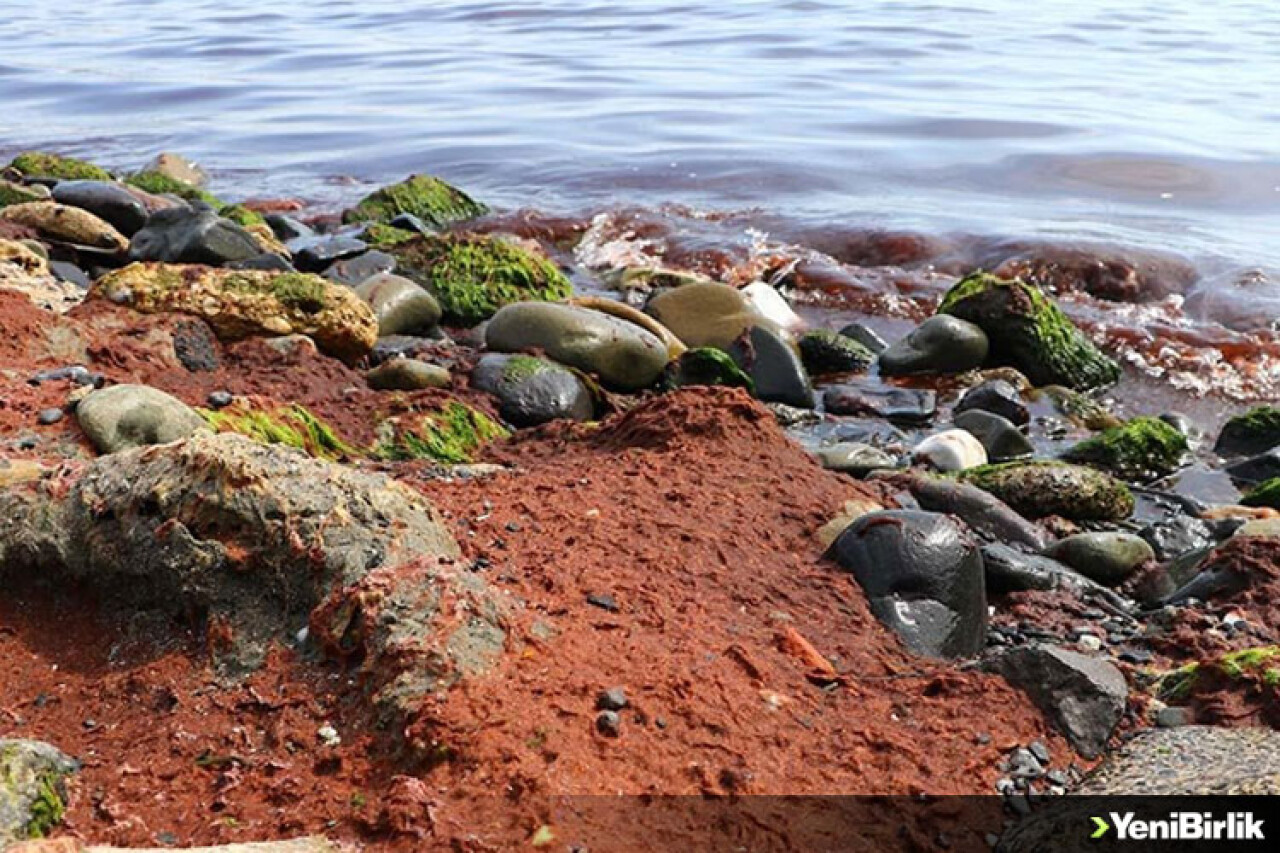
pixel 1178 684
pixel 1081 409
pixel 293 426
pixel 159 183
pixel 521 367
pixel 242 216
pixel 41 164
pixel 1038 489
pixel 705 366
pixel 1265 494
pixel 380 236
pixel 430 199
pixel 11 193
pixel 48 809
pixel 473 275
pixel 823 351
pixel 452 435
pixel 1255 431
pixel 1028 331
pixel 1141 449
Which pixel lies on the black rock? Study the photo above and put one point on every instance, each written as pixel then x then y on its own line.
pixel 192 235
pixel 49 416
pixel 866 336
pixel 613 699
pixel 774 367
pixel 825 352
pixel 195 346
pixel 286 228
pixel 604 601
pixel 532 391
pixel 1003 441
pixel 409 222
pixel 923 576
pixel 269 261
pixel 997 397
pixel 905 405
pixel 70 273
pixel 1176 536
pixel 1257 469
pixel 106 200
pixel 609 724
pixel 941 344
pixel 317 253
pixel 354 271
pixel 219 399
pixel 398 346
pixel 1010 570
pixel 983 512
pixel 1040 751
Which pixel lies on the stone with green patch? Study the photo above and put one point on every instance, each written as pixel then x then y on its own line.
pixel 1142 449
pixel 1038 489
pixel 430 199
pixel 705 366
pixel 158 183
pixel 451 435
pixel 42 164
pixel 293 426
pixel 32 791
pixel 242 216
pixel 14 193
pixel 823 352
pixel 533 391
pixel 1255 431
pixel 1264 494
pixel 380 236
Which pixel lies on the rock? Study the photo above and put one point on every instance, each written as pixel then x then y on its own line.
pixel 906 405
pixel 1256 469
pixel 1080 409
pixel 1108 557
pixel 401 306
pixel 45 417
pixel 162 186
pixel 1173 537
pixel 707 367
pixel 1028 331
pixel 355 271
pixel 923 577
pixel 1142 449
pixel 1003 441
pixel 14 193
pixel 774 368
pixel 854 458
pixel 386 237
pixel 614 308
pixel 613 699
pixel 985 514
pixel 178 168
pixel 824 352
pixel 704 314
pixel 772 307
pixel 245 217
pixel 866 336
pixel 69 273
pixel 126 416
pixel 33 795
pixel 941 344
pixel 1265 494
pixel 609 724
pixel 1040 489
pixel 266 262
pixel 1254 432
pixel 1010 570
pixel 41 164
pixel 1084 696
pixel 997 397
pixel 624 356
pixel 429 199
pixel 107 200
pixel 953 450
pixel 533 391
pixel 286 228
pixel 62 224
pixel 317 253
pixel 193 236
pixel 473 275
pixel 407 374
pixel 239 304
pixel 220 399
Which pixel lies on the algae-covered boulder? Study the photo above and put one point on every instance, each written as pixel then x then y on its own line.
pixel 1040 489
pixel 61 223
pixel 244 303
pixel 623 355
pixel 705 366
pixel 126 416
pixel 159 183
pixel 1141 449
pixel 823 351
pixel 41 164
pixel 1256 431
pixel 1028 331
pixel 32 794
pixel 473 275
pixel 434 202
pixel 15 193
pixel 1079 409
pixel 1264 494
pixel 178 168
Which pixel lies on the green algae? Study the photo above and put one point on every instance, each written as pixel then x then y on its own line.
pixel 1178 684
pixel 823 352
pixel 242 216
pixel 451 435
pixel 41 164
pixel 1141 449
pixel 430 199
pixel 1037 489
pixel 158 183
pixel 1255 431
pixel 293 426
pixel 1264 494
pixel 705 366
pixel 380 236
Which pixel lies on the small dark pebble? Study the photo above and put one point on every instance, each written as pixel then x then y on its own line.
pixel 609 724
pixel 49 416
pixel 1136 656
pixel 69 272
pixel 604 602
pixel 613 699
pixel 219 399
pixel 76 373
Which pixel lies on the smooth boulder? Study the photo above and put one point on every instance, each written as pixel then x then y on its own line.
pixel 950 451
pixel 402 307
pixel 774 367
pixel 407 374
pixel 60 223
pixel 193 235
pixel 704 314
pixel 941 344
pixel 1003 441
pixel 126 416
pixel 107 200
pixel 533 391
pixel 1106 557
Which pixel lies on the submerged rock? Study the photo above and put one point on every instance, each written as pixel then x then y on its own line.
pixel 33 795
pixel 429 199
pixel 1141 449
pixel 1040 489
pixel 61 223
pixel 533 391
pixel 401 306
pixel 123 417
pixel 1254 432
pixel 1028 331
pixel 774 367
pixel 1106 557
pixel 941 344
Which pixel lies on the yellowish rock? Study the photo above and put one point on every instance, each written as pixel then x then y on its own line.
pixel 64 224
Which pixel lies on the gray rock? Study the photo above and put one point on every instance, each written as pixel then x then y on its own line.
pixel 1084 696
pixel 923 577
pixel 107 200
pixel 354 271
pixel 983 512
pixel 69 272
pixel 997 397
pixel 45 417
pixel 1003 441
pixel 613 699
pixel 192 235
pixel 941 344
pixel 127 416
pixel 266 261
pixel 774 367
pixel 906 405
pixel 533 391
pixel 854 458
pixel 1256 469
pixel 1173 537
pixel 866 336
pixel 286 228
pixel 315 254
pixel 32 793
pixel 407 374
pixel 623 355
pixel 401 306
pixel 179 168
pixel 1107 557
pixel 1011 570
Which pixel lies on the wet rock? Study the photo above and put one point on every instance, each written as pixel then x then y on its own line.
pixel 997 397
pixel 609 724
pixel 401 306
pixel 1105 272
pixel 1257 469
pixel 193 235
pixel 1141 449
pixel 432 201
pixel 42 164
pixel 354 271
pixel 1028 331
pixel 1176 536
pixel 923 577
pixel 623 311
pixel 1079 409
pixel 1084 696
pixel 1254 432
pixel 866 336
pixel 941 344
pixel 772 307
pixel 1041 489
pixel 533 391
pixel 774 368
pixel 953 450
pixel 61 223
pixel 286 228
pixel 178 168
pixel 985 514
pixel 317 253
pixel 1107 557
pixel 1002 441
pixel 705 314
pixel 854 458
pixel 1010 570
pixel 33 795
pixel 107 200
pixel 705 366
pixel 825 352
pixel 268 262
pixel 238 304
pixel 623 355
pixel 407 374
pixel 906 405
pixel 126 416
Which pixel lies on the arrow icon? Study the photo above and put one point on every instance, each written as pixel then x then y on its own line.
pixel 1102 827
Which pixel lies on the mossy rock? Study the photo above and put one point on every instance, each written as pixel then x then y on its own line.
pixel 41 164
pixel 1255 431
pixel 380 236
pixel 1039 489
pixel 473 275
pixel 1261 663
pixel 1080 409
pixel 430 199
pixel 823 352
pixel 1141 449
pixel 11 193
pixel 32 790
pixel 158 183
pixel 452 435
pixel 293 426
pixel 705 366
pixel 1028 331
pixel 1264 494
pixel 242 216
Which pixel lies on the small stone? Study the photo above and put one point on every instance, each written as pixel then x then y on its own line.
pixel 1003 441
pixel 866 336
pixel 1040 751
pixel 609 724
pixel 219 399
pixel 49 416
pixel 316 254
pixel 329 736
pixel 407 374
pixel 997 397
pixel 1089 642
pixel 907 405
pixel 1172 718
pixel 941 344
pixel 354 271
pixel 603 601
pixel 613 699
pixel 953 450
pixel 854 458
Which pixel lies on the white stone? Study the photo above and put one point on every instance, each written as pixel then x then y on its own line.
pixel 953 450
pixel 772 306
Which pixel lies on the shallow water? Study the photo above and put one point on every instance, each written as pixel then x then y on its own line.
pixel 1144 123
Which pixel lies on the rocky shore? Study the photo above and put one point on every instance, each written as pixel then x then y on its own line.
pixel 404 526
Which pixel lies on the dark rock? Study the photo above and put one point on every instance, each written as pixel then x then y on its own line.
pixel 533 391
pixel 1003 441
pixel 287 229
pixel 705 366
pixel 1255 431
pixel 107 200
pixel 316 253
pixel 195 345
pixel 866 336
pixel 613 699
pixel 266 261
pixel 409 222
pixel 219 399
pixel 49 416
pixel 997 397
pixel 192 235
pixel 824 352
pixel 984 513
pixel 1011 570
pixel 1176 536
pixel 941 344
pixel 604 601
pixel 1257 469
pixel 357 270
pixel 906 405
pixel 609 724
pixel 1084 696
pixel 69 272
pixel 774 368
pixel 923 577
pixel 1107 557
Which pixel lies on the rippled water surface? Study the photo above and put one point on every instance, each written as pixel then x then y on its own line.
pixel 1155 123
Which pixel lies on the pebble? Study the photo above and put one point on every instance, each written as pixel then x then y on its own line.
pixel 613 699
pixel 50 416
pixel 1040 751
pixel 997 397
pixel 953 450
pixel 604 602
pixel 219 399
pixel 329 736
pixel 609 724
pixel 866 336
